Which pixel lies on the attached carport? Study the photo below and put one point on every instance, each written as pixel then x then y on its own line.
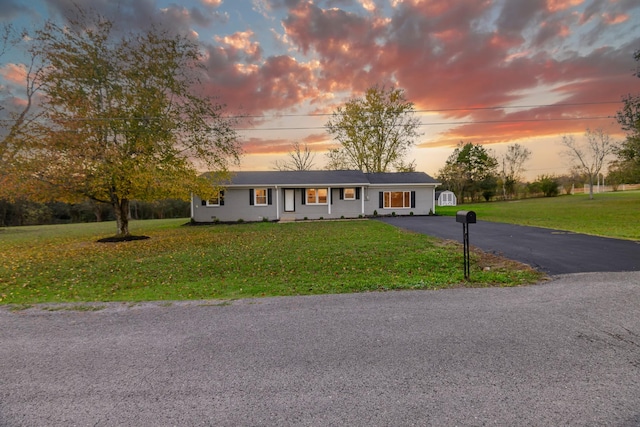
pixel 551 251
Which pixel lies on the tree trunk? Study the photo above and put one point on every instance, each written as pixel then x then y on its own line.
pixel 122 216
pixel 590 187
pixel 97 211
pixel 3 215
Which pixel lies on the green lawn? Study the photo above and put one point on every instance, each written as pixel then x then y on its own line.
pixel 64 263
pixel 614 214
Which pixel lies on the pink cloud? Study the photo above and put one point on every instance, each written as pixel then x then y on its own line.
pixel 241 42
pixel 445 53
pixel 212 3
pixel 281 146
pixel 266 146
pixel 435 52
pixel 277 82
pixel 559 5
pixel 613 19
pixel 14 73
pixel 500 126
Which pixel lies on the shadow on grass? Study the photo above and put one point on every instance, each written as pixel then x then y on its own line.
pixel 117 239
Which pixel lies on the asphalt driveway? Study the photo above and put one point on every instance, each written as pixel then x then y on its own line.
pixel 551 251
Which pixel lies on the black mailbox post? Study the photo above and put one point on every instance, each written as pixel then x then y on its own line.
pixel 466 218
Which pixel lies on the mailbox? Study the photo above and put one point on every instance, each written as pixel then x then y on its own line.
pixel 466 217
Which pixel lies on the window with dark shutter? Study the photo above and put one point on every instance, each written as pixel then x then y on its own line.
pixel 381 204
pixel 251 196
pixel 221 197
pixel 304 196
pixel 357 193
pixel 349 193
pixel 261 196
pixel 269 196
pixel 398 199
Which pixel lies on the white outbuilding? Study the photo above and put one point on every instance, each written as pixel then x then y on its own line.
pixel 446 198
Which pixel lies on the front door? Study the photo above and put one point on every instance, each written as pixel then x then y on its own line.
pixel 289 200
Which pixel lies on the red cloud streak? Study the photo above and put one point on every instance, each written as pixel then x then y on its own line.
pixel 447 54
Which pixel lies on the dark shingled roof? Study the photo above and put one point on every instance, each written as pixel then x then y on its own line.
pixel 298 178
pixel 325 177
pixel 400 178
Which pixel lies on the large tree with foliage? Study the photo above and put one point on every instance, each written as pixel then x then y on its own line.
pixel 470 171
pixel 375 131
pixel 125 117
pixel 589 157
pixel 627 164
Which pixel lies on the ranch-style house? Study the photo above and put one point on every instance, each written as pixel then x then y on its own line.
pixel 297 195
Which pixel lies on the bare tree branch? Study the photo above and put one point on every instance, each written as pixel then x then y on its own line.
pixel 300 159
pixel 589 157
pixel 512 167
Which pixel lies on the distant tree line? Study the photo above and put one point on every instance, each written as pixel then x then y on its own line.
pixel 26 212
pixel 475 173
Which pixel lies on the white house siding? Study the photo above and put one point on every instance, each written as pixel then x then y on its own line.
pixel 337 209
pixel 424 200
pixel 346 208
pixel 305 210
pixel 236 206
pixel 237 197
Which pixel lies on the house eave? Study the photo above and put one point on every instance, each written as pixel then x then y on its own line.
pixel 406 184
pixel 309 185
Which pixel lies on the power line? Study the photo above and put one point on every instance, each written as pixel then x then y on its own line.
pixel 457 123
pixel 441 110
pixel 436 110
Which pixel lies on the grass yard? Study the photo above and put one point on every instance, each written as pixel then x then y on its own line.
pixel 64 263
pixel 614 214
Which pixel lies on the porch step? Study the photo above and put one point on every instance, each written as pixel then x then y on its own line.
pixel 287 218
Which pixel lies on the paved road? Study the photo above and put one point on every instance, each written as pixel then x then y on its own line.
pixel 551 251
pixel 566 352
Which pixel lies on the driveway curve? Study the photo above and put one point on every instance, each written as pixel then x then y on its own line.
pixel 551 251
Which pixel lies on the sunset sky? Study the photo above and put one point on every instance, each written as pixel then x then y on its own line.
pixel 488 72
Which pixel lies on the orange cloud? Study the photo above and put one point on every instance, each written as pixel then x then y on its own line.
pixel 241 41
pixel 613 19
pixel 14 73
pixel 281 146
pixel 560 5
pixel 444 60
pixel 266 146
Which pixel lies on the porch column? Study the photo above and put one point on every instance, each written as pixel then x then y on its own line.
pixel 277 204
pixel 329 198
pixel 433 199
pixel 191 206
pixel 362 199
